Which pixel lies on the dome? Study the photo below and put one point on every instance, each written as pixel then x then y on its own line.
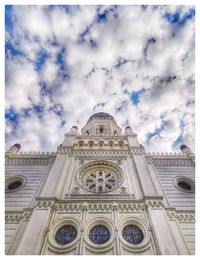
pixel 101 115
pixel 183 146
pixel 18 146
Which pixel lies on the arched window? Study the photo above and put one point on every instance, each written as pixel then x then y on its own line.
pixel 121 144
pixel 80 143
pixel 91 143
pixel 111 143
pixel 101 143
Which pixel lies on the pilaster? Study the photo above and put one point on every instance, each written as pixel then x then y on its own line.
pixel 163 235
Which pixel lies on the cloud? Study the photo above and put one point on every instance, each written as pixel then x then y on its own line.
pixel 64 63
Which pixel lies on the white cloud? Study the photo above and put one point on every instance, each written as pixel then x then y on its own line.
pixel 126 36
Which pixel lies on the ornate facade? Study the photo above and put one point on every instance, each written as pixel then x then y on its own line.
pixel 100 193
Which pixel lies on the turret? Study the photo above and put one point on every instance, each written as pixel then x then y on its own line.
pixel 69 137
pixel 14 149
pixel 186 150
pixel 132 137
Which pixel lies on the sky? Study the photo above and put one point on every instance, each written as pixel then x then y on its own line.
pixel 65 63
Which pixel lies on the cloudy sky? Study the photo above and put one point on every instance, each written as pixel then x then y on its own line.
pixel 65 63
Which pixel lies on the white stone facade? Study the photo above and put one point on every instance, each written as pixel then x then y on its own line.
pixel 104 192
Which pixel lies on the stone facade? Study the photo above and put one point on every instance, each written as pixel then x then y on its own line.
pixel 100 193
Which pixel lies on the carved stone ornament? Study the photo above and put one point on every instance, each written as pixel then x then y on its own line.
pixel 99 176
pixel 13 217
pixel 64 234
pixel 134 233
pixel 180 216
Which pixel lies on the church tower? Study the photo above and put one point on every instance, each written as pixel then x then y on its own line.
pixel 100 193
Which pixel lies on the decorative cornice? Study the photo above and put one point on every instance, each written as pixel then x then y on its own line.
pixel 32 154
pixel 101 206
pixel 138 150
pixel 101 153
pixel 155 203
pixel 175 162
pixel 44 204
pixel 180 216
pixel 169 159
pixel 29 161
pixel 170 155
pixel 65 150
pixel 16 217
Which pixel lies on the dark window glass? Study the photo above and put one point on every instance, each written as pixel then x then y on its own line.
pixel 99 234
pixel 14 185
pixel 132 234
pixel 65 235
pixel 183 185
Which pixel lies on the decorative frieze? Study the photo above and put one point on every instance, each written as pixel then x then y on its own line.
pixel 13 217
pixel 181 216
pixel 183 162
pixel 169 159
pixel 154 203
pixel 29 161
pixel 138 150
pixel 92 206
pixel 44 204
pixel 98 153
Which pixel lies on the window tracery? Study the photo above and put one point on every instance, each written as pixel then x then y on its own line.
pixel 99 181
pixel 133 234
pixel 99 234
pixel 99 176
pixel 66 234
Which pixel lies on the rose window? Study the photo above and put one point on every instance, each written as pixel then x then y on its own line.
pixel 100 181
pixel 99 176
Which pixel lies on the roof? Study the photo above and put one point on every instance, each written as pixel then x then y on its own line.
pixel 101 115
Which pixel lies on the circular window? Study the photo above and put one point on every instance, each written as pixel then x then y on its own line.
pixel 66 234
pixel 15 183
pixel 184 184
pixel 99 234
pixel 100 181
pixel 133 234
pixel 100 177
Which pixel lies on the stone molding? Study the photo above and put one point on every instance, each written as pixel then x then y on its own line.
pixel 29 161
pixel 180 216
pixel 170 162
pixel 137 150
pixel 155 204
pixel 16 217
pixel 101 206
pixel 101 153
pixel 33 154
pixel 45 204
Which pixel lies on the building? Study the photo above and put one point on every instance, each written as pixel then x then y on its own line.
pixel 100 193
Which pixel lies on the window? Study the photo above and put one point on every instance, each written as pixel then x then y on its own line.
pixel 100 181
pixel 132 234
pixel 99 234
pixel 15 183
pixel 100 176
pixel 184 184
pixel 101 129
pixel 66 234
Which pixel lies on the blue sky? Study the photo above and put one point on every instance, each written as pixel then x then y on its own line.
pixel 64 63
